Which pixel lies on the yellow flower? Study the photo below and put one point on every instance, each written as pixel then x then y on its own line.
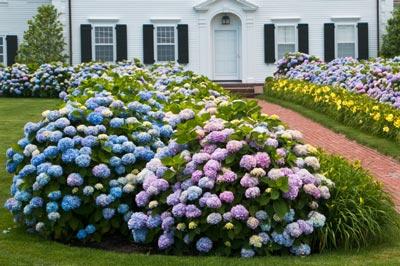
pixel 192 225
pixel 357 164
pixel 274 117
pixel 386 129
pixel 153 204
pixel 375 108
pixel 397 123
pixel 389 117
pixel 229 226
pixel 227 243
pixel 377 116
pixel 181 226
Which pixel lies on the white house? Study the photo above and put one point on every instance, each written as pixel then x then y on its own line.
pixel 227 40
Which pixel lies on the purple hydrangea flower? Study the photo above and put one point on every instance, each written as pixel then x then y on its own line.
pixel 226 196
pixel 165 241
pixel 192 211
pixel 239 212
pixel 74 180
pixel 248 162
pixel 252 192
pixel 101 171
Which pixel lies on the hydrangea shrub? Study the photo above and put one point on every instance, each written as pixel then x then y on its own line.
pixel 377 78
pixel 171 158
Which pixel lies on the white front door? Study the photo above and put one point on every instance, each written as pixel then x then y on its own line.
pixel 226 55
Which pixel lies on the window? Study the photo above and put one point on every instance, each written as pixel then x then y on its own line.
pixel 165 36
pixel 285 40
pixel 346 40
pixel 3 50
pixel 104 43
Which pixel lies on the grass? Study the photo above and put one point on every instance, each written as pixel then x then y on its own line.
pixel 20 248
pixel 382 145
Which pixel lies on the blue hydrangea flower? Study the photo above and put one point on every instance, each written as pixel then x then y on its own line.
pixel 65 144
pixel 128 159
pixel 51 207
pixel 69 155
pixel 55 171
pixel 139 235
pixel 53 216
pixel 116 122
pixel 116 192
pixel 95 118
pixel 108 213
pixel 55 195
pixel 301 250
pixel 247 253
pixel 90 229
pixel 83 160
pixel 18 158
pixel 70 203
pixel 153 221
pixel 36 202
pixel 82 234
pixel 204 245
pixel 88 190
pixel 38 159
pixel 123 208
pixel 138 220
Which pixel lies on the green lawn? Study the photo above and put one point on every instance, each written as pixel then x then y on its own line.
pixel 20 248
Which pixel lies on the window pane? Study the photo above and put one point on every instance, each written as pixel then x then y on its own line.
pixel 165 53
pixel 1 59
pixel 1 49
pixel 346 33
pixel 166 35
pixel 285 48
pixel 104 53
pixel 346 50
pixel 286 34
pixel 104 35
pixel 1 40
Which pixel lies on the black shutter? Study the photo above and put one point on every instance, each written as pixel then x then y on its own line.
pixel 303 38
pixel 122 42
pixel 183 44
pixel 269 43
pixel 12 47
pixel 148 44
pixel 329 41
pixel 86 43
pixel 363 44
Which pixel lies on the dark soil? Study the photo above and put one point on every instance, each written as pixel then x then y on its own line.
pixel 118 243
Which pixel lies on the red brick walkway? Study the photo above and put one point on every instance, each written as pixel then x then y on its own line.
pixel 382 167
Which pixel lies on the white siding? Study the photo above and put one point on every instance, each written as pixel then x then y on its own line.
pixel 135 13
pixel 14 15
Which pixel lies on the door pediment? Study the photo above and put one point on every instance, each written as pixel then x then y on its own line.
pixel 244 4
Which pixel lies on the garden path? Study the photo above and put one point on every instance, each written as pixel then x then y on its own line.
pixel 384 168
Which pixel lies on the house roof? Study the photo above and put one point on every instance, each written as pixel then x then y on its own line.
pixel 205 5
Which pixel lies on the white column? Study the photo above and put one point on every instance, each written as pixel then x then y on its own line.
pixel 248 49
pixel 204 45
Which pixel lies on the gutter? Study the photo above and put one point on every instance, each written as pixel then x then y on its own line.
pixel 70 30
pixel 378 35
